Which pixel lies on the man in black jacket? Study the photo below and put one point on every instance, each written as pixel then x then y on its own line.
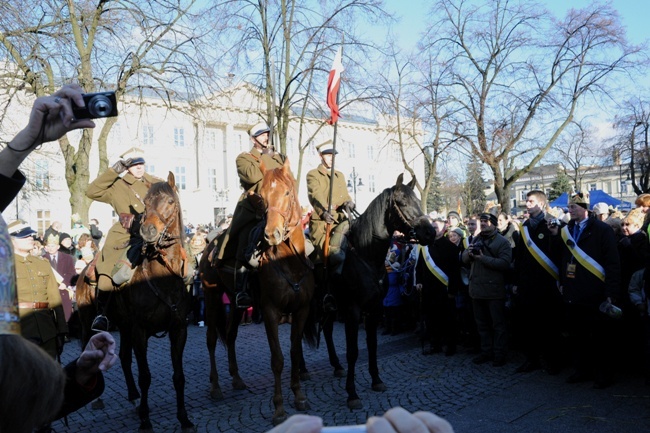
pixel 538 300
pixel 590 272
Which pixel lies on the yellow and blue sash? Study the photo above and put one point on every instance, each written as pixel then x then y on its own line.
pixel 539 255
pixel 435 270
pixel 585 260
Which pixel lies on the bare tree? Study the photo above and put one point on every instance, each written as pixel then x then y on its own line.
pixel 289 45
pixel 518 76
pixel 130 46
pixel 631 142
pixel 578 152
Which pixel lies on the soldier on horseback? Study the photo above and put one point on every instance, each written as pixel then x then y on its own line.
pixel 328 216
pixel 125 194
pixel 250 208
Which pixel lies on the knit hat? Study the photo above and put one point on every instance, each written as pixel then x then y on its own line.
pixel 490 217
pixel 63 237
pixel 580 199
pixel 459 232
pixel 454 214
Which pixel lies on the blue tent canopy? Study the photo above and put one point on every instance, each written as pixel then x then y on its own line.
pixel 595 196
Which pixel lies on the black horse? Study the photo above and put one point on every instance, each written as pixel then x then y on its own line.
pixel 154 301
pixel 359 289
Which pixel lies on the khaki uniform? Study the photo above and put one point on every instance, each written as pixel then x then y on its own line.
pixel 36 284
pixel 126 195
pixel 318 187
pixel 245 215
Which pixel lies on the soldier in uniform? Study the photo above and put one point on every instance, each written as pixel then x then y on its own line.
pixel 41 314
pixel 250 207
pixel 126 195
pixel 318 192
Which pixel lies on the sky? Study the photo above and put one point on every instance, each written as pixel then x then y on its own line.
pixel 634 15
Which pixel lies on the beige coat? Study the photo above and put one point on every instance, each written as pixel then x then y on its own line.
pixel 126 195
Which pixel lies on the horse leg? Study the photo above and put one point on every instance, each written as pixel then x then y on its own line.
pixel 140 343
pixel 328 331
pixel 231 338
pixel 271 320
pixel 211 305
pixel 372 320
pixel 177 340
pixel 126 360
pixel 297 329
pixel 352 319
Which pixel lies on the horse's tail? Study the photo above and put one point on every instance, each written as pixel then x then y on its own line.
pixel 310 332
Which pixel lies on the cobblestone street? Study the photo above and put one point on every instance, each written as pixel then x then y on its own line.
pixel 473 398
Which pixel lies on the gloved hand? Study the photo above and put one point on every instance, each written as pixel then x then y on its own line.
pixel 349 205
pixel 327 217
pixel 120 166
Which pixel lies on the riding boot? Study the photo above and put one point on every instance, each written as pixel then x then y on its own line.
pixel 337 247
pixel 243 298
pixel 100 323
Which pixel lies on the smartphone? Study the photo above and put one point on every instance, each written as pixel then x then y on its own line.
pixel 344 429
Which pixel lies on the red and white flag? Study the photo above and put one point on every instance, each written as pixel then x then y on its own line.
pixel 333 84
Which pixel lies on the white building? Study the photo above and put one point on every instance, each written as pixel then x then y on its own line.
pixel 199 145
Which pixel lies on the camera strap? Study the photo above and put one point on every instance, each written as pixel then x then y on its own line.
pixel 539 255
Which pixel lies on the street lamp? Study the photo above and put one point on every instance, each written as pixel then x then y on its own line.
pixel 221 195
pixel 354 182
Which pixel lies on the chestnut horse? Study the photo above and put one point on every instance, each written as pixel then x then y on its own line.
pixel 286 286
pixel 154 301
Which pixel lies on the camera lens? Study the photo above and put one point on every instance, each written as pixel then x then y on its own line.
pixel 99 106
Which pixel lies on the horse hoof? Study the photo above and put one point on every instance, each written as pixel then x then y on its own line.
pixel 355 404
pixel 302 405
pixel 340 372
pixel 277 420
pixel 216 394
pixel 305 376
pixel 239 385
pixel 98 404
pixel 379 387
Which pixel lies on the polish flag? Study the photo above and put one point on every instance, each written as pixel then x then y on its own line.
pixel 333 84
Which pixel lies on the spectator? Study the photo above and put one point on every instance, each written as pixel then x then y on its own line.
pixel 53 230
pixel 95 233
pixel 601 211
pixel 393 300
pixel 473 228
pixel 78 228
pixel 590 274
pixel 538 302
pixel 65 244
pixel 490 256
pixel 437 277
pixel 639 298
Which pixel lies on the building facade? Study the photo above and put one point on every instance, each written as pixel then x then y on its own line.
pixel 198 143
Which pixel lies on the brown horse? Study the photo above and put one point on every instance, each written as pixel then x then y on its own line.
pixel 154 301
pixel 286 286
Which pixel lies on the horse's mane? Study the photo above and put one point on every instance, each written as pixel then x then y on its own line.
pixel 372 220
pixel 165 188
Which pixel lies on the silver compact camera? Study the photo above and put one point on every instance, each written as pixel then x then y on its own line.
pixel 555 222
pixel 100 104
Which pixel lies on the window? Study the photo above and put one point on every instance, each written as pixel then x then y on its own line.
pixel 179 137
pixel 396 152
pixel 147 135
pixel 179 173
pixel 213 136
pixel 523 194
pixel 150 168
pixel 371 182
pixel 212 179
pixel 352 153
pixel 43 221
pixel 592 187
pixel 240 140
pixel 41 174
pixel 371 152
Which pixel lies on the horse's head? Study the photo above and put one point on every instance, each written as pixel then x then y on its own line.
pixel 283 209
pixel 405 213
pixel 161 222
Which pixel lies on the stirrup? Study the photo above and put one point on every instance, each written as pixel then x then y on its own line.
pixel 100 323
pixel 329 303
pixel 243 300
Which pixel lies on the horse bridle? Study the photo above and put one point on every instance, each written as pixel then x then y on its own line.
pixel 286 215
pixel 164 240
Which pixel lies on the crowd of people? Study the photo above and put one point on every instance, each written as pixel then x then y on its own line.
pixel 566 287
